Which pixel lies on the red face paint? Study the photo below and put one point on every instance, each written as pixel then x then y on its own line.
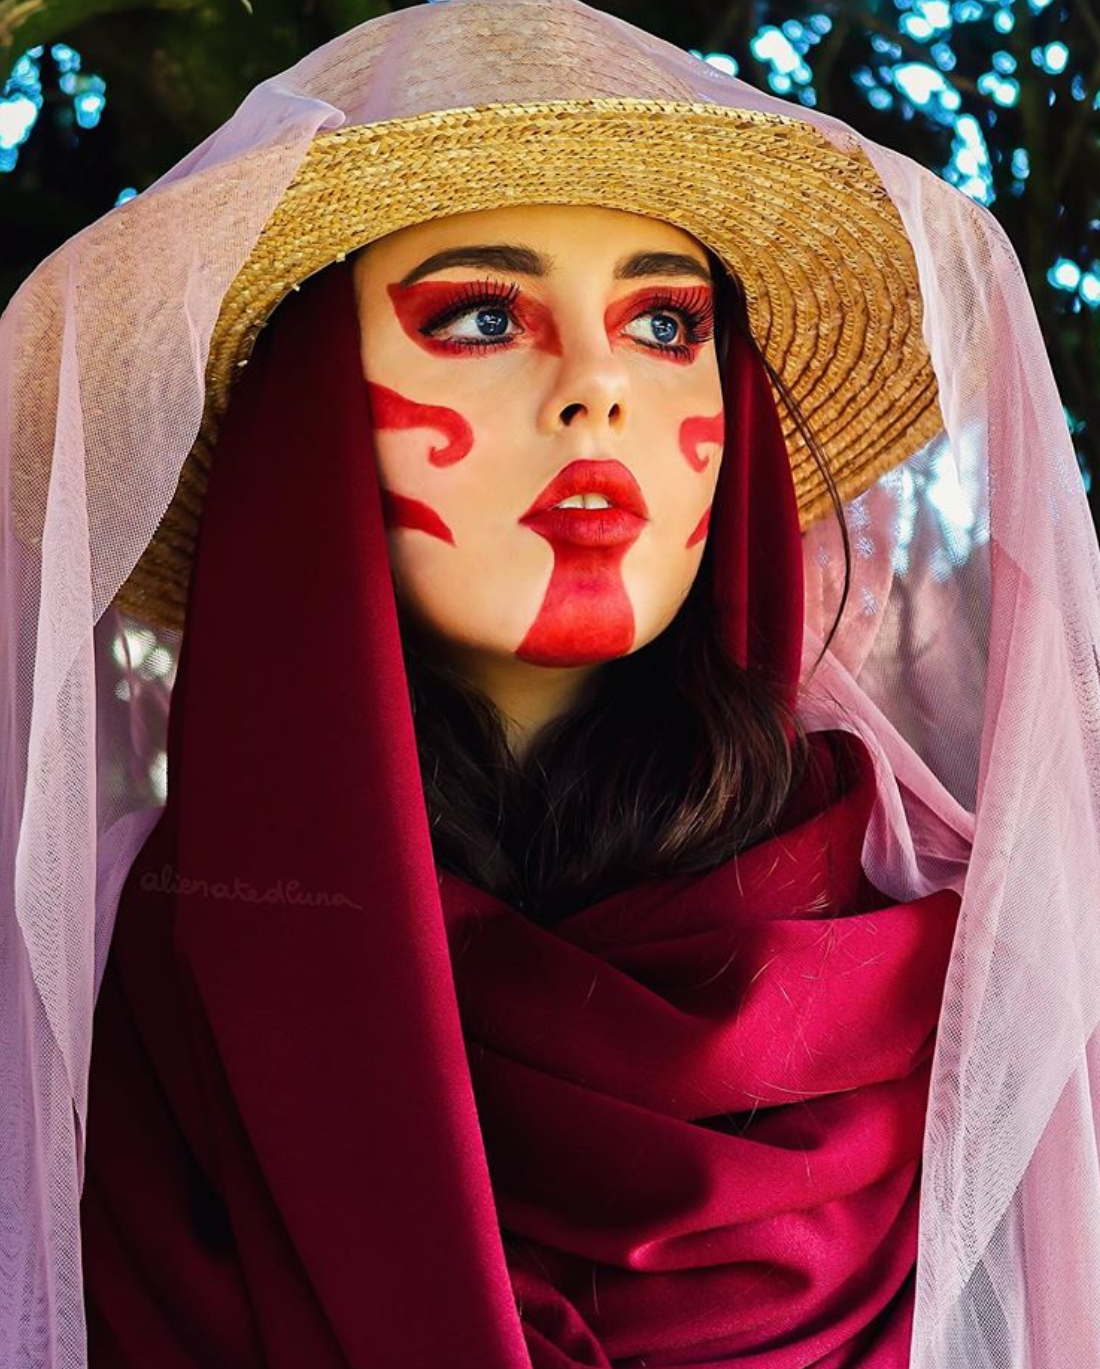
pixel 697 430
pixel 420 306
pixel 429 306
pixel 693 303
pixel 586 615
pixel 392 410
pixel 700 530
pixel 398 511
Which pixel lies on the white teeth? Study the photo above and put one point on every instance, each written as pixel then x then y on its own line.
pixel 584 501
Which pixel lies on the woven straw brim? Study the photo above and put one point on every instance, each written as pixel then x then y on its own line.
pixel 807 226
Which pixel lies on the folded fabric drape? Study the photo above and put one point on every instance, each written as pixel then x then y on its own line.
pixel 702 1104
pixel 703 1100
pixel 348 1110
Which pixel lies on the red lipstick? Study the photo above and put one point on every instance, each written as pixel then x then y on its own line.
pixel 622 522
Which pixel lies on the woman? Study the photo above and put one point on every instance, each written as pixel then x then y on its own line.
pixel 695 1056
pixel 596 1029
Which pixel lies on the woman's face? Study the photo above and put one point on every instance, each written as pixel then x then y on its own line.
pixel 526 358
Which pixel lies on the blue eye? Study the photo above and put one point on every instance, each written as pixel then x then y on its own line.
pixel 490 306
pixel 495 321
pixel 666 323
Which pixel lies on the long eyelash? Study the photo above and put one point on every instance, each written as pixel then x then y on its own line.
pixel 696 310
pixel 474 295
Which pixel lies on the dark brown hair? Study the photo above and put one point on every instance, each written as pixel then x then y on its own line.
pixel 676 759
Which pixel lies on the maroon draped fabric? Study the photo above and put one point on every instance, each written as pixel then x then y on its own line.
pixel 347 1112
pixel 703 1101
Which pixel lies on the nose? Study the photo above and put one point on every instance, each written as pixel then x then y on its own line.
pixel 589 388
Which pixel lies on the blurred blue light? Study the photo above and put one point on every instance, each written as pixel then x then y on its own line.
pixel 25 70
pixel 1004 62
pixel 885 47
pixel 970 168
pixel 927 89
pixel 1004 21
pixel 722 61
pixel 773 46
pixel 21 97
pixel 17 117
pixel 88 108
pixel 1056 56
pixel 918 81
pixel 65 57
pixel 1002 90
pixel 943 57
pixel 915 27
pixel 1064 274
pixel 124 195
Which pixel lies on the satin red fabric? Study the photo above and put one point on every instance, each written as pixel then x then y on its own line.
pixel 345 1111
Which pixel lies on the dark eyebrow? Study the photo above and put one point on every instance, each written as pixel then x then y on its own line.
pixel 522 261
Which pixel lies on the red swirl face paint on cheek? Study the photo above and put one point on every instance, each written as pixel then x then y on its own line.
pixel 697 430
pixel 700 532
pixel 399 511
pixel 392 410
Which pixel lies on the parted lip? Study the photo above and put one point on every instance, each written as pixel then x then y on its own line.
pixel 609 478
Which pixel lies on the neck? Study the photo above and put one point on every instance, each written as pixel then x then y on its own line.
pixel 527 696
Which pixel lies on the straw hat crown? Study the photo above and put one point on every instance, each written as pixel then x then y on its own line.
pixel 462 105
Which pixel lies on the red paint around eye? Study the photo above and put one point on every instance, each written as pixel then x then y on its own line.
pixel 417 305
pixel 697 430
pixel 392 410
pixel 399 511
pixel 641 302
pixel 700 530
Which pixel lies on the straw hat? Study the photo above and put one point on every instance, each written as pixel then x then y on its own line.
pixel 806 225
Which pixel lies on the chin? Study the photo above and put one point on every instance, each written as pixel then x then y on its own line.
pixel 561 655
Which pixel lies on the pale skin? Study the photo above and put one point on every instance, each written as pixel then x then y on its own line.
pixel 586 337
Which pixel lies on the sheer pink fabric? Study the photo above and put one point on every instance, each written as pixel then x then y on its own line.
pixel 968 662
